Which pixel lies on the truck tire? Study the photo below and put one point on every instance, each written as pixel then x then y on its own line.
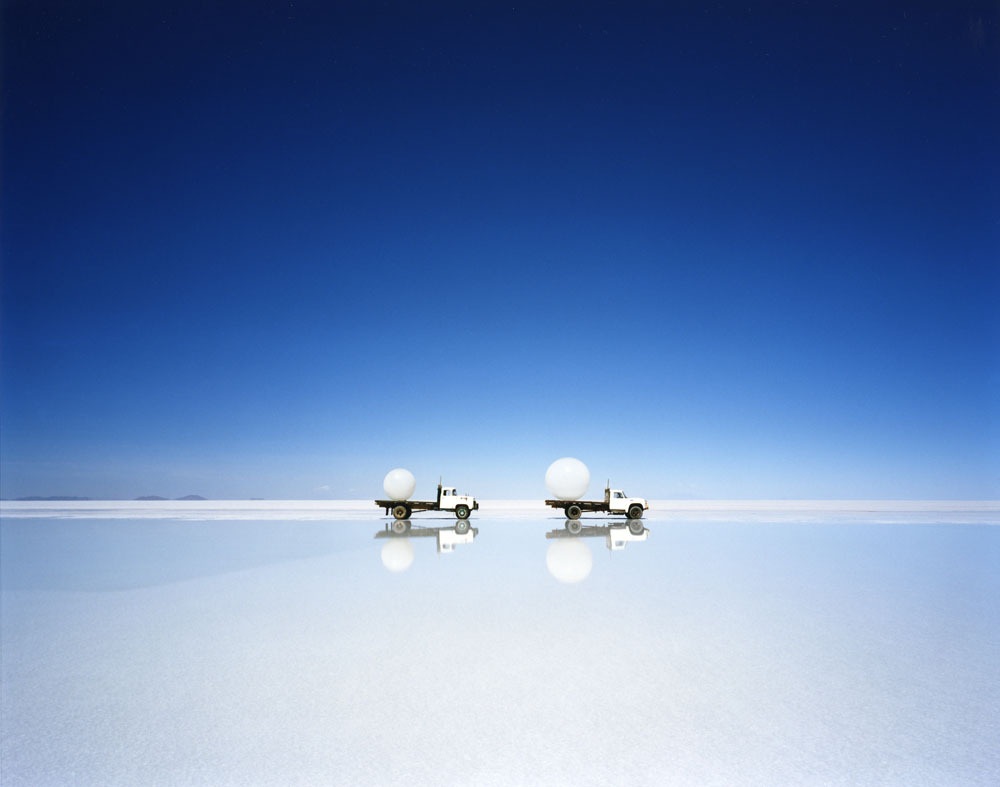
pixel 462 512
pixel 400 526
pixel 574 511
pixel 635 511
pixel 635 527
pixel 462 527
pixel 574 526
pixel 401 511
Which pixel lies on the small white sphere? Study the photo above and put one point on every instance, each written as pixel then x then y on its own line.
pixel 569 560
pixel 397 554
pixel 399 484
pixel 567 478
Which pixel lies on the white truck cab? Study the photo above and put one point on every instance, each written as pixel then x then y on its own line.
pixel 450 499
pixel 619 503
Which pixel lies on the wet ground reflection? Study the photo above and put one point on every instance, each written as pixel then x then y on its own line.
pixel 398 552
pixel 221 652
pixel 569 558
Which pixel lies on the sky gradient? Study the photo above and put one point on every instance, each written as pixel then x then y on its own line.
pixel 712 252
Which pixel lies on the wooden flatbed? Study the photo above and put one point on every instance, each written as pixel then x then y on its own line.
pixel 583 505
pixel 412 505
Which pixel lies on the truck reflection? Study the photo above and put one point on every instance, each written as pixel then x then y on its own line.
pixel 569 559
pixel 398 552
pixel 616 537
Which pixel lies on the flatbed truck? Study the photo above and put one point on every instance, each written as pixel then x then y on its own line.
pixel 615 502
pixel 447 500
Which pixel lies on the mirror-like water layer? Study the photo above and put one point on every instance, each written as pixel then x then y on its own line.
pixel 165 651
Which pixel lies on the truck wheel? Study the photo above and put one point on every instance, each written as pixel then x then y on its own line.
pixel 400 526
pixel 401 512
pixel 574 526
pixel 462 527
pixel 573 512
pixel 635 527
pixel 462 512
pixel 635 511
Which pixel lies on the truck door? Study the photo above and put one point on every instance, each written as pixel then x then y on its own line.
pixel 617 502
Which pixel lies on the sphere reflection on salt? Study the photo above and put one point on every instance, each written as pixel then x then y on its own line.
pixel 397 554
pixel 567 478
pixel 399 484
pixel 569 560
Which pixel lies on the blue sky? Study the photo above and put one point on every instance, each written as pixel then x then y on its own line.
pixel 711 251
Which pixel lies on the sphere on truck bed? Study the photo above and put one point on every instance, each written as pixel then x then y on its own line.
pixel 567 478
pixel 399 484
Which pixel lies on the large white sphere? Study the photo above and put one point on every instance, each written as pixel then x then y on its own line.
pixel 569 560
pixel 399 484
pixel 567 478
pixel 397 554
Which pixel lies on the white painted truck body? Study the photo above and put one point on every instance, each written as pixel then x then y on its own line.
pixel 450 499
pixel 619 503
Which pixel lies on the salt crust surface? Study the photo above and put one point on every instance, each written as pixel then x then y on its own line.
pixel 902 511
pixel 165 651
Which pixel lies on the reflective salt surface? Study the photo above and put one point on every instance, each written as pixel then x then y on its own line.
pixel 177 651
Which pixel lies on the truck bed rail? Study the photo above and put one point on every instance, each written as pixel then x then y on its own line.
pixel 413 505
pixel 585 505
